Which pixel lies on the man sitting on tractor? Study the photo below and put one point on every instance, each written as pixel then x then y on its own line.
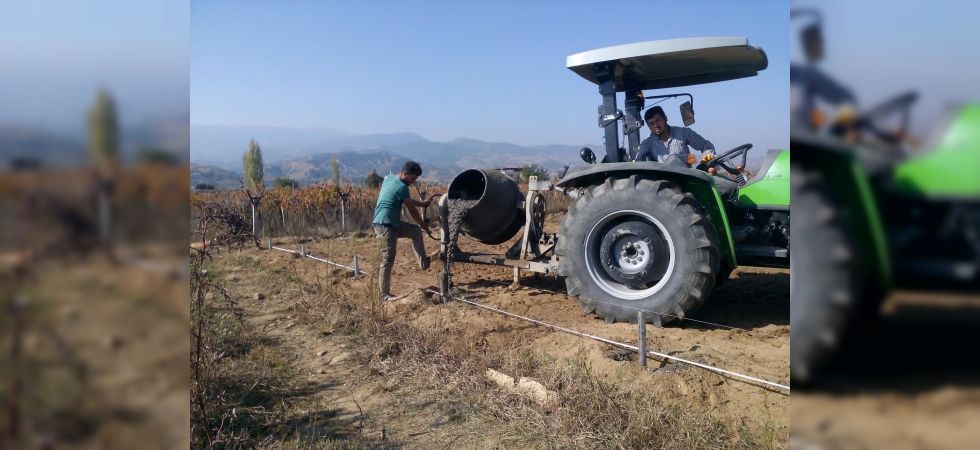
pixel 669 145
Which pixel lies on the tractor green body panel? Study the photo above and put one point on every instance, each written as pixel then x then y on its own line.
pixel 772 190
pixel 696 182
pixel 848 182
pixel 950 169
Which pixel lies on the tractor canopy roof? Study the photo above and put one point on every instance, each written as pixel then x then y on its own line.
pixel 674 62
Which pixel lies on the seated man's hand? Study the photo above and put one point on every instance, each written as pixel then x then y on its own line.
pixel 711 171
pixel 817 118
pixel 846 114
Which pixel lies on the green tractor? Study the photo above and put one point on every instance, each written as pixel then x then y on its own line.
pixel 642 236
pixel 874 216
pixel 653 236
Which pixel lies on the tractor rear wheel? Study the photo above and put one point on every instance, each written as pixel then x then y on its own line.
pixel 638 244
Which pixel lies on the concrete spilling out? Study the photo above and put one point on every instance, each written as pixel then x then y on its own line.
pixel 458 209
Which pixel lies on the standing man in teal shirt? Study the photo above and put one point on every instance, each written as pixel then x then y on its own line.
pixel 389 227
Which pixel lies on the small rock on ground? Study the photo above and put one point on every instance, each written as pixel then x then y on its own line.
pixel 114 342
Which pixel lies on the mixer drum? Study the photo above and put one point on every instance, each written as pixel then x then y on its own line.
pixel 497 215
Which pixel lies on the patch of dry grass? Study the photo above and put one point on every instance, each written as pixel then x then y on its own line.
pixel 594 413
pixel 258 398
pixel 441 365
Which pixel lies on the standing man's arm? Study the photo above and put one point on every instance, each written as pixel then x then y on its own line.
pixel 412 204
pixel 417 203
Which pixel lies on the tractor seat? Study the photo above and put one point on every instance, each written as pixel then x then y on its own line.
pixel 771 156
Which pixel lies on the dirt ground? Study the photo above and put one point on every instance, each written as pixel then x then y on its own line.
pixel 110 344
pixel 755 301
pixel 911 381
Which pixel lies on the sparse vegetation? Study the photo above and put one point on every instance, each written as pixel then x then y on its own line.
pixel 217 328
pixel 428 372
pixel 435 371
pixel 103 142
pixel 103 134
pixel 156 156
pixel 315 210
pixel 253 180
pixel 70 313
pixel 285 182
pixel 532 170
pixel 373 180
pixel 335 170
pixel 307 211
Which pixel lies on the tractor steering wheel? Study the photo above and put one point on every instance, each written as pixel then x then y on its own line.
pixel 900 104
pixel 742 150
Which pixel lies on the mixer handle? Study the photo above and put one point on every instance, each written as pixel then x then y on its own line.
pixel 425 209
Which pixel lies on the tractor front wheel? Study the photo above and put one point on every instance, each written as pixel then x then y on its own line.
pixel 636 244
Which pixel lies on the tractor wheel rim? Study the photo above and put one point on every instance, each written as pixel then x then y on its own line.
pixel 629 261
pixel 633 254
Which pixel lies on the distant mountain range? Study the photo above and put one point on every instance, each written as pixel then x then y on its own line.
pixel 20 142
pixel 215 176
pixel 304 154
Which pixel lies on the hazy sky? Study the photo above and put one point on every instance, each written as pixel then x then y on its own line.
pixel 55 54
pixel 487 70
pixel 884 48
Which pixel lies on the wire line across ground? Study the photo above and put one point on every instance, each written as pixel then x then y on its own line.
pixel 742 377
pixel 736 375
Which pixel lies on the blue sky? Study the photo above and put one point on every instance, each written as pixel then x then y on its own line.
pixel 883 48
pixel 56 53
pixel 487 70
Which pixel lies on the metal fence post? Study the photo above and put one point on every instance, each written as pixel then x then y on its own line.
pixel 343 214
pixel 357 266
pixel 444 284
pixel 642 324
pixel 302 249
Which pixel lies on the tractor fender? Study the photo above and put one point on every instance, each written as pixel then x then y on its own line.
pixel 849 184
pixel 696 182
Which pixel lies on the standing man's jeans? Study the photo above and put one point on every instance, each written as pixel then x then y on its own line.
pixel 388 238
